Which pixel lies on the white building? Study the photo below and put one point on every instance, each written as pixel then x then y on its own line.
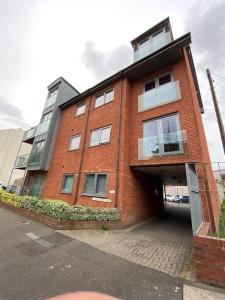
pixel 10 147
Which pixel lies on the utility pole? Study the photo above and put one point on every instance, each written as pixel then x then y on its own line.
pixel 217 109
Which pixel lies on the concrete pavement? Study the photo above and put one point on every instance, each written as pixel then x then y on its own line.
pixel 30 270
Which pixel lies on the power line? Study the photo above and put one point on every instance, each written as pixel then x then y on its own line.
pixel 218 75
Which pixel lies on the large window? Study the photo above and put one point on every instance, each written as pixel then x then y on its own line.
pixel 39 146
pixel 51 98
pixel 162 136
pixel 74 142
pixel 67 183
pixel 100 136
pixel 104 98
pixel 95 184
pixel 46 117
pixel 80 108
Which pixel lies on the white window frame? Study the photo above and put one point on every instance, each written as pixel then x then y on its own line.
pixel 100 129
pixel 71 138
pixel 95 184
pixel 150 38
pixel 104 94
pixel 77 107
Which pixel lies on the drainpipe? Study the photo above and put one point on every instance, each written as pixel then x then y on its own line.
pixel 82 151
pixel 118 144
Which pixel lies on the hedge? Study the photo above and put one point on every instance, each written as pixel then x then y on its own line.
pixel 59 209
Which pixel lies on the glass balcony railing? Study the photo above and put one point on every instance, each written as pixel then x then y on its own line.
pixel 21 161
pixel 43 127
pixel 35 159
pixel 163 94
pixel 30 133
pixel 152 45
pixel 167 144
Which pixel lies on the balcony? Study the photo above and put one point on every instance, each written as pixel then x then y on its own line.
pixel 43 127
pixel 152 45
pixel 165 93
pixel 21 162
pixel 29 135
pixel 168 144
pixel 34 160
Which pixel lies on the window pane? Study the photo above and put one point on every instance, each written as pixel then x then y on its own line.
pixel 74 142
pixel 151 138
pixel 95 137
pixel 101 184
pixel 109 96
pixel 149 85
pixel 105 135
pixel 99 100
pixel 47 117
pixel 164 79
pixel 170 134
pixel 80 109
pixel 89 186
pixel 67 183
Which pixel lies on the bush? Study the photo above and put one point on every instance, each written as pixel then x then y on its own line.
pixel 59 209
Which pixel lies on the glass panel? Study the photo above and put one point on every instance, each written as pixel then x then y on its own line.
pixel 99 100
pixel 149 85
pixel 51 98
pixel 47 117
pixel 170 134
pixel 109 96
pixel 89 187
pixel 101 184
pixel 95 137
pixel 75 142
pixel 105 135
pixel 67 183
pixel 159 40
pixel 151 144
pixel 165 79
pixel 80 109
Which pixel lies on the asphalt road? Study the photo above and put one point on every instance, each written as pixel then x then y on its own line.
pixel 36 262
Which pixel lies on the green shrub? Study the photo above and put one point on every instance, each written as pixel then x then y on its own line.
pixel 59 209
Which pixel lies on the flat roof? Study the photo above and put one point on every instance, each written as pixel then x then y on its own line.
pixel 169 54
pixel 151 30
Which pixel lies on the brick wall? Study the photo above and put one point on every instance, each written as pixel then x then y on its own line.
pixel 131 191
pixel 209 253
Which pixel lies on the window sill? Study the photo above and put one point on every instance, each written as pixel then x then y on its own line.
pixel 67 193
pixel 73 150
pixel 99 144
pixel 103 104
pixel 93 195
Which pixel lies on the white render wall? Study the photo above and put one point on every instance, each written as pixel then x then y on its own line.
pixel 10 140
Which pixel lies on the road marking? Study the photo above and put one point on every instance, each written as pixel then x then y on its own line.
pixel 32 236
pixel 38 240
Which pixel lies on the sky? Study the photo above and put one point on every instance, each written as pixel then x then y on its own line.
pixel 87 41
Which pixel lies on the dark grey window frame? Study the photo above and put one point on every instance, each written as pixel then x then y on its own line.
pixel 63 179
pixel 95 185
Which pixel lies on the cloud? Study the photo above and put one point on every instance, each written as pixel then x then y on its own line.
pixel 207 23
pixel 11 115
pixel 104 64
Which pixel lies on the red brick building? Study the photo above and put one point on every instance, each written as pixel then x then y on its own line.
pixel 120 141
